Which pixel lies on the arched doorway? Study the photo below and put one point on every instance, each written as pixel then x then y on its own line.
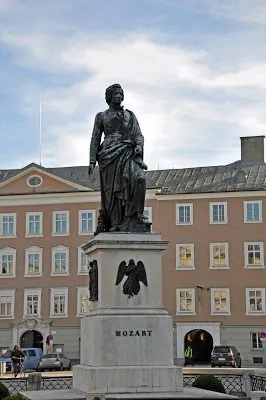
pixel 31 338
pixel 201 342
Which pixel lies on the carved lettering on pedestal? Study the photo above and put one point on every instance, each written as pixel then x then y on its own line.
pixel 138 332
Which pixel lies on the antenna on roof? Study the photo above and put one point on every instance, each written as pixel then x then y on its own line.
pixel 40 130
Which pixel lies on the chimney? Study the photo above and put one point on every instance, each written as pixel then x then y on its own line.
pixel 252 148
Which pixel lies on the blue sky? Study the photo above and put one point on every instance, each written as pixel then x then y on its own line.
pixel 193 71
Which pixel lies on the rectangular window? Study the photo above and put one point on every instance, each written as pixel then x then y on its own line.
pixel 220 301
pixel 184 214
pixel 252 211
pixel 255 301
pixel 86 222
pixel 7 303
pixel 218 213
pixel 254 255
pixel 5 306
pixel 256 343
pixel 32 302
pixel 59 302
pixel 33 261
pixel 219 255
pixel 83 302
pixel 185 256
pixel 147 212
pixel 257 360
pixel 34 224
pixel 8 224
pixel 60 256
pixel 7 262
pixel 82 261
pixel 185 301
pixel 60 263
pixel 60 222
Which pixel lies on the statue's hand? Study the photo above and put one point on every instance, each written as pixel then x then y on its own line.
pixel 138 150
pixel 91 168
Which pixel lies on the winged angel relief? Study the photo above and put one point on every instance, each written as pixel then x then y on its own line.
pixel 135 274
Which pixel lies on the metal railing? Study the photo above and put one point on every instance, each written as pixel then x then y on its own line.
pixel 231 382
pixel 258 383
pixel 48 383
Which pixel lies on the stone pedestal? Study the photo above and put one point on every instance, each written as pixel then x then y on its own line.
pixel 127 342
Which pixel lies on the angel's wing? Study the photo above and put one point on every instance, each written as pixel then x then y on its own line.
pixel 121 272
pixel 142 277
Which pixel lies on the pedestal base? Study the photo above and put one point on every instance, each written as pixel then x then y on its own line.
pixel 130 379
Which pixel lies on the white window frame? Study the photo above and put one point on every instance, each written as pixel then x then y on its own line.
pixel 80 290
pixel 246 221
pixel 80 252
pixel 219 266
pixel 32 292
pixel 67 223
pixel 218 203
pixel 178 205
pixel 178 311
pixel 81 232
pixel 28 214
pixel 254 266
pixel 60 249
pixel 217 312
pixel 8 251
pixel 178 262
pixel 256 312
pixel 9 293
pixel 258 341
pixel 58 291
pixel 14 234
pixel 29 251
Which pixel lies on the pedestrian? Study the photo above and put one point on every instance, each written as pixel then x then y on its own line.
pixel 17 357
pixel 188 356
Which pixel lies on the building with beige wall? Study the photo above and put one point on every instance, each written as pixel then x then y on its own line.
pixel 213 269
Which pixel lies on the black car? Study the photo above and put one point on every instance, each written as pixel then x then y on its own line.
pixel 225 356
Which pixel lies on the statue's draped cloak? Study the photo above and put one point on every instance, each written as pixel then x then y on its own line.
pixel 122 180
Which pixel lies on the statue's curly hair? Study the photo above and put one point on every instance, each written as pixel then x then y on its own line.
pixel 109 92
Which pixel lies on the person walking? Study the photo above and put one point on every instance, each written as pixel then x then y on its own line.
pixel 188 356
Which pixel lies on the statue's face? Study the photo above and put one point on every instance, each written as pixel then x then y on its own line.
pixel 117 97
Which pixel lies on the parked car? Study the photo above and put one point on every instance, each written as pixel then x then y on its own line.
pixel 52 361
pixel 225 356
pixel 6 357
pixel 33 356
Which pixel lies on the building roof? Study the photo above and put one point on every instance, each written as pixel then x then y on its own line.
pixel 238 176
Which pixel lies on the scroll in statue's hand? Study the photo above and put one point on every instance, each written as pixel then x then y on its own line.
pixel 91 168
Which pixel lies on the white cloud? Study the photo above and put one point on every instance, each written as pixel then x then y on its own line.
pixel 243 10
pixel 179 99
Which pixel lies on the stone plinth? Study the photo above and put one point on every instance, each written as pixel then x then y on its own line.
pixel 127 342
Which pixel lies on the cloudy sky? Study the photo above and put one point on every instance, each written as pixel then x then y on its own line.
pixel 193 71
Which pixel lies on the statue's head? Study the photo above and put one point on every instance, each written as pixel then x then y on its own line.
pixel 114 94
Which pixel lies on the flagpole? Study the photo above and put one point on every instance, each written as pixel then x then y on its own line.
pixel 40 131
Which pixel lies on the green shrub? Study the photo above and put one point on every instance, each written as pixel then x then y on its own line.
pixel 209 382
pixel 14 397
pixel 4 392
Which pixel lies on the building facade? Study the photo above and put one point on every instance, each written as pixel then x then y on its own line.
pixel 213 269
